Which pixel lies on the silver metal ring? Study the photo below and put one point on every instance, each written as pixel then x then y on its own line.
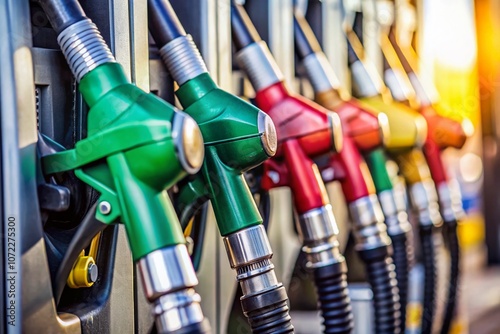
pixel 396 220
pixel 424 200
pixel 259 65
pixel 183 59
pixel 369 228
pixel 318 225
pixel 84 48
pixel 166 270
pixel 247 246
pixel 320 73
pixel 177 310
pixel 364 84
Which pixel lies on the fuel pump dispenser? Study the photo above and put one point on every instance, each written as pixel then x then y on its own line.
pixel 275 99
pixel 362 124
pixel 136 147
pixel 237 136
pixel 413 167
pixel 443 133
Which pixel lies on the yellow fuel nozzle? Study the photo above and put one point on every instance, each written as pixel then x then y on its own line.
pixel 84 273
pixel 407 128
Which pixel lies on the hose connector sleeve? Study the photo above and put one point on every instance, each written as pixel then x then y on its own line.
pixel 84 48
pixel 259 65
pixel 183 59
pixel 264 299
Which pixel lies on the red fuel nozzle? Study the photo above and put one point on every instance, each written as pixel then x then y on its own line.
pixel 305 130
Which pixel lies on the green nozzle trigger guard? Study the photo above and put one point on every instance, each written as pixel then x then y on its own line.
pixel 129 156
pixel 233 145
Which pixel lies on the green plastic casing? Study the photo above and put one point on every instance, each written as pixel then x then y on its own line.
pixel 233 144
pixel 376 161
pixel 129 156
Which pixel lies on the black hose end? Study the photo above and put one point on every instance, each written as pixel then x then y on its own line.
pixel 268 312
pixel 305 41
pixel 164 25
pixel 62 14
pixel 382 278
pixel 451 239
pixel 242 29
pixel 430 277
pixel 403 260
pixel 333 298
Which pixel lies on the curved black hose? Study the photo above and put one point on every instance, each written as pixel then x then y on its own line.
pixel 164 24
pixel 200 226
pixel 268 312
pixel 89 227
pixel 451 237
pixel 430 277
pixel 333 298
pixel 305 41
pixel 242 29
pixel 62 13
pixel 382 278
pixel 352 56
pixel 403 257
pixel 265 208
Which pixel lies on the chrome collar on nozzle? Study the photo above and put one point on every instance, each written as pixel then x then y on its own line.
pixel 319 231
pixel 176 304
pixel 369 228
pixel 259 64
pixel 84 48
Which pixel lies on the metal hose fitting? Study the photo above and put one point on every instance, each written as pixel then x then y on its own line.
pixel 395 218
pixel 168 278
pixel 259 65
pixel 183 59
pixel 400 232
pixel 320 72
pixel 318 230
pixel 424 201
pixel 369 229
pixel 373 246
pixel 264 299
pixel 84 48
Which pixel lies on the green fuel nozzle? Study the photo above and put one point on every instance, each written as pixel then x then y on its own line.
pixel 137 147
pixel 238 137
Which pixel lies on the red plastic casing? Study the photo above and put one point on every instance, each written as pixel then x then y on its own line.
pixel 362 133
pixel 304 133
pixel 442 133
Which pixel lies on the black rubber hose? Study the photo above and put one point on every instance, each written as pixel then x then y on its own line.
pixel 352 56
pixel 200 226
pixel 333 298
pixel 357 26
pixel 89 227
pixel 430 277
pixel 265 208
pixel 62 13
pixel 403 257
pixel 242 29
pixel 305 41
pixel 382 278
pixel 451 238
pixel 164 25
pixel 268 312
